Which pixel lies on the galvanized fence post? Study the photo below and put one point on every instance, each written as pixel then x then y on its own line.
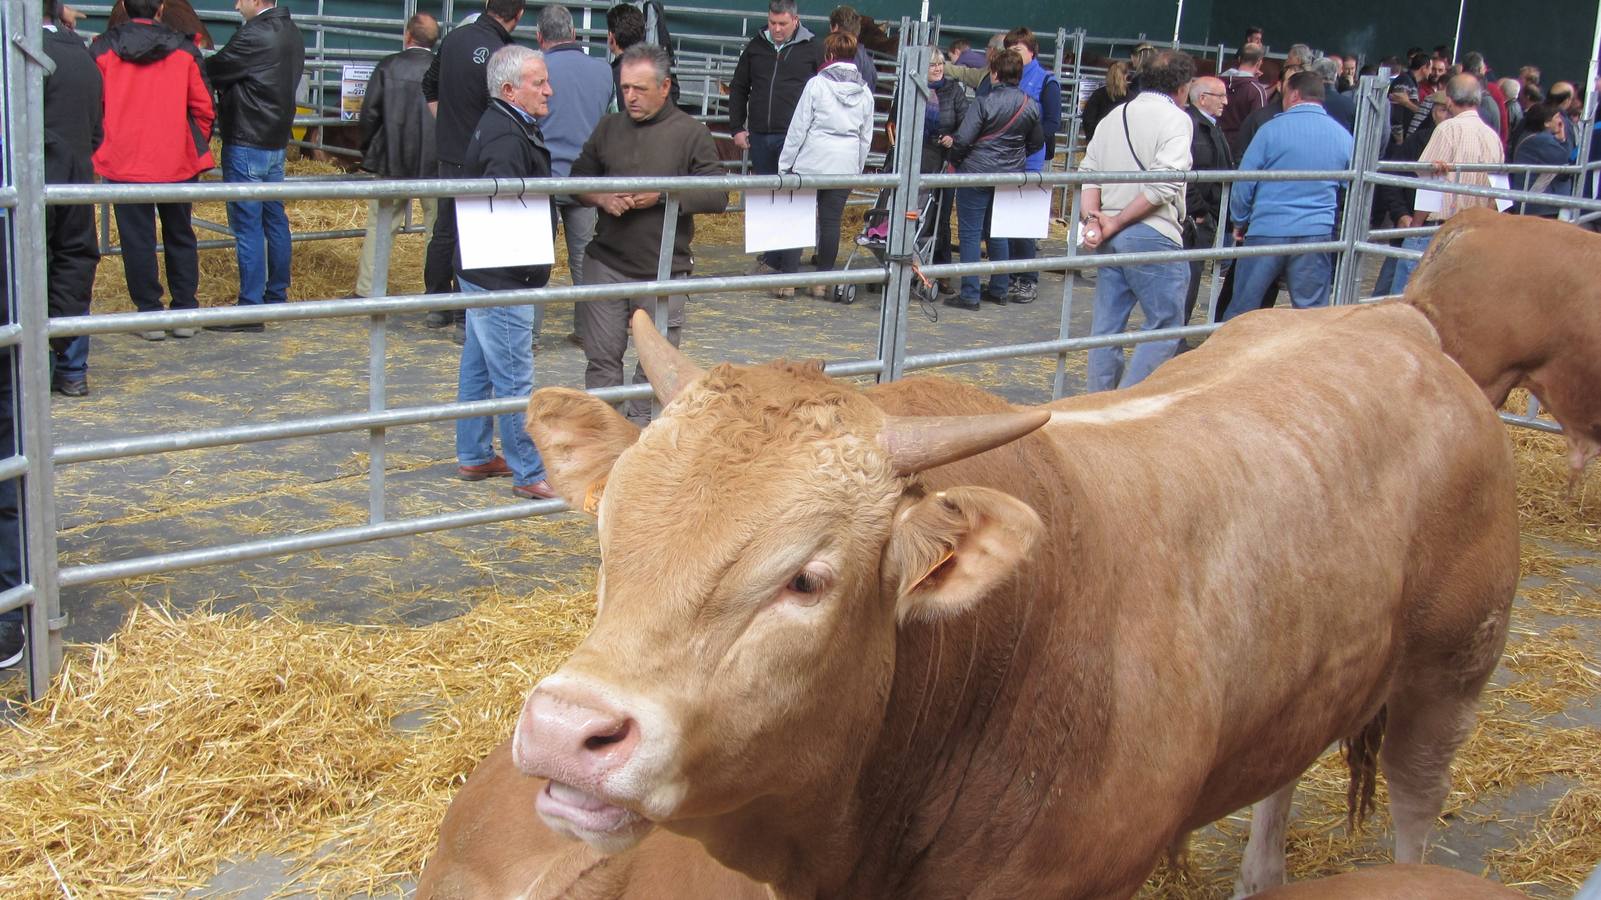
pixel 26 67
pixel 377 357
pixel 904 220
pixel 1372 131
pixel 661 306
pixel 1064 329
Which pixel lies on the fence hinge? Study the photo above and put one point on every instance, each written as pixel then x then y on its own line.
pixel 35 53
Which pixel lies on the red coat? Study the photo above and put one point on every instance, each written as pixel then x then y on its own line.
pixel 158 110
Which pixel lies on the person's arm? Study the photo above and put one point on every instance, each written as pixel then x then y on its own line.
pixel 864 133
pixel 972 76
pixel 1434 154
pixel 589 164
pixel 201 111
pixel 1034 140
pixel 430 85
pixel 372 109
pixel 739 100
pixel 229 65
pixel 1051 115
pixel 967 132
pixel 702 160
pixel 1172 154
pixel 1242 199
pixel 800 126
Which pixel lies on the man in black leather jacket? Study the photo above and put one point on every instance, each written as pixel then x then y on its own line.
pixel 256 76
pixel 397 136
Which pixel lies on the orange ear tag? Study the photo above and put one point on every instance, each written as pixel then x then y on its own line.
pixel 592 497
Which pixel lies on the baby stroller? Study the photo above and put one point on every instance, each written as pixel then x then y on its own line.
pixel 875 240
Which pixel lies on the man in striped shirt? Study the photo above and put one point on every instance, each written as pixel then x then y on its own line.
pixel 1463 139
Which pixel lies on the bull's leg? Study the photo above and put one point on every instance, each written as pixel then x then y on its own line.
pixel 1263 866
pixel 1425 729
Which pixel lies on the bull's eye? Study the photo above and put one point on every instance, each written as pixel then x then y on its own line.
pixel 804 583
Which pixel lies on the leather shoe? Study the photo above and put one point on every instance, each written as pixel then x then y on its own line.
pixel 539 490
pixel 495 468
pixel 957 303
pixel 438 318
pixel 994 298
pixel 68 388
pixel 240 328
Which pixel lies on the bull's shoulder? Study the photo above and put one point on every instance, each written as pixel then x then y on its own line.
pixel 925 395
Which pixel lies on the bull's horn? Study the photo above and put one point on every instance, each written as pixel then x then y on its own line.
pixel 915 444
pixel 669 371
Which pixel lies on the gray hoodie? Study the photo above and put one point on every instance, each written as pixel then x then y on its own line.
pixel 833 124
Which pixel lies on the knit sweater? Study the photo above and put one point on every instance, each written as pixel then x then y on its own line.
pixel 1160 133
pixel 668 143
pixel 1304 137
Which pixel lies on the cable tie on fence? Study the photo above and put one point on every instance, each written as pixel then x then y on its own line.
pixel 522 189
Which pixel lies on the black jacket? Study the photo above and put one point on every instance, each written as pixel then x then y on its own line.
pixel 506 145
pixel 457 80
pixel 256 75
pixel 768 82
pixel 1209 149
pixel 1253 123
pixel 397 130
pixel 952 107
pixel 976 150
pixel 73 109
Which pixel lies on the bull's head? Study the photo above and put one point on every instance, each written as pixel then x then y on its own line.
pixel 760 543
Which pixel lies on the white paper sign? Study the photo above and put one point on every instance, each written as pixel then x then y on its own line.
pixel 1434 201
pixel 1504 183
pixel 780 220
pixel 1021 211
pixel 352 88
pixel 505 231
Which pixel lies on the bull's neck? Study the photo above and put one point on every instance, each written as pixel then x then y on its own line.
pixel 987 723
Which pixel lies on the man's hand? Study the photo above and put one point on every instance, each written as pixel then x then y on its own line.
pixel 1239 234
pixel 644 200
pixel 946 141
pixel 742 140
pixel 1092 232
pixel 1404 222
pixel 615 204
pixel 1441 167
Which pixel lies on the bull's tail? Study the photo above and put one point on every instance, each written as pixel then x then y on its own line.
pixel 1362 758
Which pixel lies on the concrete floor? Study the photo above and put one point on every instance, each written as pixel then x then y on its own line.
pixel 145 505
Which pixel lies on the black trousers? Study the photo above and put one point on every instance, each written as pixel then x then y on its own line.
pixel 136 223
pixel 1202 235
pixel 72 253
pixel 439 266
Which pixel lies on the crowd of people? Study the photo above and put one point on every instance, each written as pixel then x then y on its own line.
pixel 798 102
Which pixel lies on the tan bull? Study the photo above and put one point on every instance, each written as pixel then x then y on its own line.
pixel 1516 304
pixel 853 654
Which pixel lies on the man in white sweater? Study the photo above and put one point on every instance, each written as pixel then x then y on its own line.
pixel 1151 132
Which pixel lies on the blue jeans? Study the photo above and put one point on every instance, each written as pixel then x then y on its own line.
pixel 261 230
pixel 497 360
pixel 1307 276
pixel 73 365
pixel 1404 267
pixel 1158 288
pixel 972 210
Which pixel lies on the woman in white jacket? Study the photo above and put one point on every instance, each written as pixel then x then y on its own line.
pixel 829 135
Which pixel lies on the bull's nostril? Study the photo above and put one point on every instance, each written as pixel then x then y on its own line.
pixel 616 735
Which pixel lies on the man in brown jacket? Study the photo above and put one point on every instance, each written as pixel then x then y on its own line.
pixel 650 137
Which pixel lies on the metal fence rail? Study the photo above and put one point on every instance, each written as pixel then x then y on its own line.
pixel 891 360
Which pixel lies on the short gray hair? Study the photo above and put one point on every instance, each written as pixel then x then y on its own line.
pixel 935 55
pixel 556 24
pixel 1464 90
pixel 1327 69
pixel 782 6
pixel 656 56
pixel 506 66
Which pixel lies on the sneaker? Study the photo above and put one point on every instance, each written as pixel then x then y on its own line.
pixel 539 490
pixel 70 387
pixel 182 332
pixel 240 328
pixel 495 468
pixel 1022 292
pixel 439 318
pixel 153 335
pixel 13 641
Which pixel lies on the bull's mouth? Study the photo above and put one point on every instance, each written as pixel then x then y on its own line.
pixel 603 825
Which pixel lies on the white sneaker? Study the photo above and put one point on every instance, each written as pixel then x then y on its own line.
pixel 13 641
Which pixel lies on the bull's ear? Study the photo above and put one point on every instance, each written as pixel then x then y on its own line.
pixel 950 549
pixel 579 437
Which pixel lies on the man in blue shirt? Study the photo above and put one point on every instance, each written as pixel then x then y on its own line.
pixel 1304 137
